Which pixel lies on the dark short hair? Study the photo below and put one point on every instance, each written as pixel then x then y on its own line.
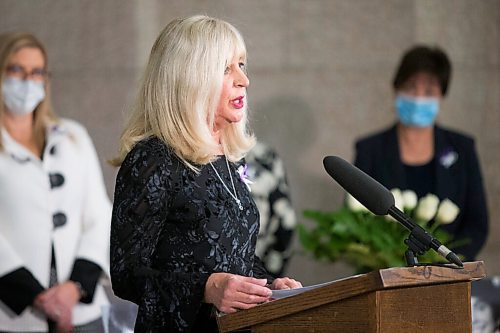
pixel 424 59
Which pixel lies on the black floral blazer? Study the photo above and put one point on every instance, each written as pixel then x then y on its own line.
pixel 172 228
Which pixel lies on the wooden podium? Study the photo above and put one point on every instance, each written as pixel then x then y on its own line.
pixel 408 299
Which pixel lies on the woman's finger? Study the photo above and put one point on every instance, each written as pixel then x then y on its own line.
pixel 249 298
pixel 235 306
pixel 248 287
pixel 260 282
pixel 46 295
pixel 286 283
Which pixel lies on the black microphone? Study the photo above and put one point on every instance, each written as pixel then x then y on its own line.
pixel 380 201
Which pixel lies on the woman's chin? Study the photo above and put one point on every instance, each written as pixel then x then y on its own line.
pixel 237 116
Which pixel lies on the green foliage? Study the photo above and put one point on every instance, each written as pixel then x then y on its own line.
pixel 366 241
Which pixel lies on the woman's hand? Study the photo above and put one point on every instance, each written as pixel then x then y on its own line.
pixel 230 292
pixel 57 304
pixel 285 283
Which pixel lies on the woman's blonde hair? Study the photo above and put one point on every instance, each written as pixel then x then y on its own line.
pixel 180 91
pixel 10 43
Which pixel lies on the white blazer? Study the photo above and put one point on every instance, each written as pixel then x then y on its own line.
pixel 27 204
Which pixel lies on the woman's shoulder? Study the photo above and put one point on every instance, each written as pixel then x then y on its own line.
pixel 71 130
pixel 150 151
pixel 460 135
pixel 152 144
pixel 376 137
pixel 71 126
pixel 455 137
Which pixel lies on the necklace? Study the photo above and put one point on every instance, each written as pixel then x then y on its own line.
pixel 234 196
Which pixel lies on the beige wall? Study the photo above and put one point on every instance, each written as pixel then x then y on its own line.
pixel 320 77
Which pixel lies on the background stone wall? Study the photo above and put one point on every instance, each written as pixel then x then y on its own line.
pixel 320 74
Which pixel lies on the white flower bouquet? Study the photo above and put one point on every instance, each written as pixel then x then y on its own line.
pixel 371 242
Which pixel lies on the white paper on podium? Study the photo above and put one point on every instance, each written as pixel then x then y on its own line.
pixel 277 294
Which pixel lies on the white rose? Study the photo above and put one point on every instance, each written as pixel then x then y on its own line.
pixel 427 207
pixel 409 199
pixel 354 204
pixel 398 198
pixel 447 212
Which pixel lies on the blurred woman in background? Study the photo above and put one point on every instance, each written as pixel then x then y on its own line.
pixel 54 211
pixel 419 155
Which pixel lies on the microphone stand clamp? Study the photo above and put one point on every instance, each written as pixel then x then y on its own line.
pixel 415 248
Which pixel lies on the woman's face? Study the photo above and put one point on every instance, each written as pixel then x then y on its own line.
pixel 23 87
pixel 232 98
pixel 417 101
pixel 27 63
pixel 422 84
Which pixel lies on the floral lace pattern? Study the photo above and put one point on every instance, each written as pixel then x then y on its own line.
pixel 172 228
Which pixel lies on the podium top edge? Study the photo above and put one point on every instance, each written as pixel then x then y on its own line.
pixel 431 274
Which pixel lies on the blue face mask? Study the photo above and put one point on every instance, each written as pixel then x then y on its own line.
pixel 417 111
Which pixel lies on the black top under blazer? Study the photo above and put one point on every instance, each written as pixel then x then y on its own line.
pixel 457 177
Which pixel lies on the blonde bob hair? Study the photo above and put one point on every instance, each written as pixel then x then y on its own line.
pixel 180 91
pixel 43 114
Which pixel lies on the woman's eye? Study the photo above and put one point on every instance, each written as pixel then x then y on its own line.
pixel 242 66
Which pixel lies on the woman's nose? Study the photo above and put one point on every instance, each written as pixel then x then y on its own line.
pixel 420 91
pixel 242 79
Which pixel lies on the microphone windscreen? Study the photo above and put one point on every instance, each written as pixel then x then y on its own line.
pixel 364 188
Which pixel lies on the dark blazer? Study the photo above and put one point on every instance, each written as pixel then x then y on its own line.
pixel 457 173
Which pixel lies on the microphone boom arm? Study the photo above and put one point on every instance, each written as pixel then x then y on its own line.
pixel 419 241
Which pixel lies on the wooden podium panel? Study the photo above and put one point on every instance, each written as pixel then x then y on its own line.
pixel 393 300
pixel 439 308
pixel 356 314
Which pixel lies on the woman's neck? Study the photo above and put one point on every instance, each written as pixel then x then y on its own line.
pixel 217 140
pixel 416 145
pixel 20 128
